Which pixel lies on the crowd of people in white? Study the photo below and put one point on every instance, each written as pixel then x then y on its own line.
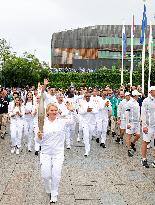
pixel 88 114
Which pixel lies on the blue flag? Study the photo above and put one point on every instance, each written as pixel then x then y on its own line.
pixel 124 39
pixel 144 25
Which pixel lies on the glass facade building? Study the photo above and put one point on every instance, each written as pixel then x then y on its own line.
pixel 102 43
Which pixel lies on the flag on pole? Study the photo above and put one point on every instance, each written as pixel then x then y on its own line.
pixel 143 41
pixel 150 55
pixel 124 46
pixel 124 41
pixel 133 25
pixel 132 56
pixel 144 25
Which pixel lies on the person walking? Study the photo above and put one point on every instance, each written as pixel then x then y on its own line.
pixel 132 122
pixel 16 114
pixel 148 125
pixel 52 148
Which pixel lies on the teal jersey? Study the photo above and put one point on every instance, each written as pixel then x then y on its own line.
pixel 113 101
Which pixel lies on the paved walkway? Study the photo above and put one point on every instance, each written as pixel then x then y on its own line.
pixel 106 177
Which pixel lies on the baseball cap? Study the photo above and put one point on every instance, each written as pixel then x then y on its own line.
pixel 127 93
pixel 151 88
pixel 135 92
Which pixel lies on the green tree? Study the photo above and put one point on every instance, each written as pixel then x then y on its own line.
pixel 4 55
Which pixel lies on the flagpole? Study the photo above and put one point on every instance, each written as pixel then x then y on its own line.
pixel 150 56
pixel 143 64
pixel 131 70
pixel 143 42
pixel 122 58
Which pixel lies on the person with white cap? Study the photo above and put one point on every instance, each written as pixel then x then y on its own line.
pixel 105 110
pixel 121 117
pixel 132 122
pixel 148 124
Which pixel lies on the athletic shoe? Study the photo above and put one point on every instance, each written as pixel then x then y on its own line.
pixel 78 139
pixel 113 134
pixel 53 199
pixel 102 145
pixel 36 153
pixel 17 150
pixel 133 146
pixel 117 140
pixel 144 163
pixel 153 164
pixel 86 154
pixel 97 140
pixel 13 149
pixel 149 146
pixel 121 141
pixel 130 153
pixel 68 147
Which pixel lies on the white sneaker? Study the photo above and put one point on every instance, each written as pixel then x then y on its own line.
pixel 86 154
pixel 68 147
pixel 17 150
pixel 54 199
pixel 13 149
pixel 153 164
pixel 29 149
pixel 148 146
pixel 78 139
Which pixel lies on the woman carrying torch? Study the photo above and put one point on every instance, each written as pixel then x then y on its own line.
pixel 52 140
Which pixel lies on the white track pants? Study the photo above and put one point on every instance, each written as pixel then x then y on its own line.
pixel 88 130
pixel 102 126
pixel 51 166
pixel 16 129
pixel 28 129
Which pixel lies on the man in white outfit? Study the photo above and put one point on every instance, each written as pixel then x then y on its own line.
pixel 96 99
pixel 148 124
pixel 87 109
pixel 133 122
pixel 50 95
pixel 121 117
pixel 63 113
pixel 103 119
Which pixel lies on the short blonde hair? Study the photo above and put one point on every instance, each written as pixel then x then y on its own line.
pixel 51 105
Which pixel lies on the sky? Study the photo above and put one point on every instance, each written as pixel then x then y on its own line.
pixel 28 25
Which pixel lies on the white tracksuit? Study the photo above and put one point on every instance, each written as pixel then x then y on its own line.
pixel 36 129
pixel 103 119
pixel 133 116
pixel 16 125
pixel 29 123
pixel 96 100
pixel 52 153
pixel 65 113
pixel 87 121
pixel 121 113
pixel 79 129
pixel 49 98
pixel 148 118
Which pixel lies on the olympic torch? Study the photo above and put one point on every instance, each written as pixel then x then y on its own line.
pixel 41 109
